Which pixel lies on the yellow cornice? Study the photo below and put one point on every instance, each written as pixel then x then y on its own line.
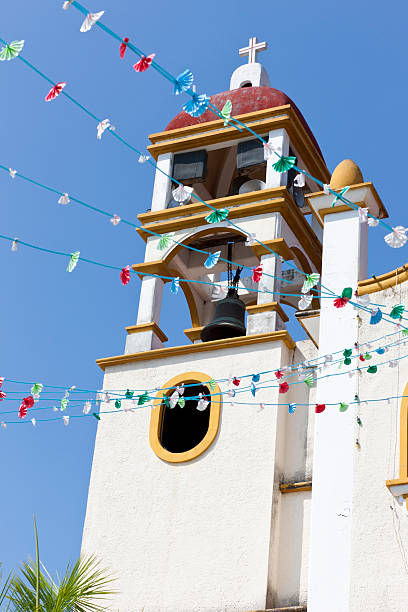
pixel 213 345
pixel 268 201
pixel 194 333
pixel 261 121
pixel 320 214
pixel 268 307
pixel 278 245
pixel 296 486
pixel 384 281
pixel 152 326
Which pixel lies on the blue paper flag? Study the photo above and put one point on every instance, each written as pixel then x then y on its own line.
pixel 197 105
pixel 175 284
pixel 212 259
pixel 380 350
pixel 292 408
pixel 375 317
pixel 253 389
pixel 256 377
pixel 183 82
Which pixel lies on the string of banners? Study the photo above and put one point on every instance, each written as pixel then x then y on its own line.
pixel 304 371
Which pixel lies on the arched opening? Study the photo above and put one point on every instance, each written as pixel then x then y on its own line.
pixel 182 428
pixel 245 84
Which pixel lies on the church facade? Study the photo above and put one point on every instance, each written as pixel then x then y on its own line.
pixel 255 499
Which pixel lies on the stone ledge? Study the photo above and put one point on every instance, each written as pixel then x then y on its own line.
pixel 290 609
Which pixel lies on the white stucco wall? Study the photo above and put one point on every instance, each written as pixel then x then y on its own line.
pixel 194 536
pixel 379 578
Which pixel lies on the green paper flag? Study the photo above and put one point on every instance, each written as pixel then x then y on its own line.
pixel 367 356
pixel 347 361
pixel 397 311
pixel 11 50
pixel 226 112
pixel 129 394
pixel 118 403
pixel 166 401
pixel 309 380
pixel 347 293
pixel 143 399
pixel 36 389
pixel 73 260
pixel 64 403
pixel 343 406
pixel 310 281
pixel 348 352
pixel 181 402
pixel 165 241
pixel 405 332
pixel 284 164
pixel 211 384
pixel 217 215
pixel 97 417
pixel 372 369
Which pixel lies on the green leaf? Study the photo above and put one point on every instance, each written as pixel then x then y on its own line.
pixel 217 215
pixel 165 241
pixel 143 399
pixel 211 384
pixel 347 293
pixel 284 164
pixel 372 369
pixel 226 112
pixel 309 380
pixel 343 406
pixel 12 50
pixel 310 281
pixel 37 575
pixel 181 402
pixel 74 258
pixel 397 311
pixel 118 403
pixel 128 394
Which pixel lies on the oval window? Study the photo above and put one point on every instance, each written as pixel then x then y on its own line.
pixel 185 420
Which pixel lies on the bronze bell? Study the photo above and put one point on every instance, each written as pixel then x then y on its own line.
pixel 229 319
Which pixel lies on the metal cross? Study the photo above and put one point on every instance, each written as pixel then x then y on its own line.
pixel 253 49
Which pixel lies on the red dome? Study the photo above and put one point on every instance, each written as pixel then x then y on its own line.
pixel 244 100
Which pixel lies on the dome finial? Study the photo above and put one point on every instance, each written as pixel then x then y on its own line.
pixel 252 49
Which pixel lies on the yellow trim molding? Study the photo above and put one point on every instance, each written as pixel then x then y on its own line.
pixel 384 281
pixel 142 327
pixel 403 462
pixel 194 333
pixel 278 245
pixel 268 307
pixel 213 345
pixel 296 486
pixel 157 415
pixel 262 121
pixel 267 201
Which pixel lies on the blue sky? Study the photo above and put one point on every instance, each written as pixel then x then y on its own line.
pixel 340 62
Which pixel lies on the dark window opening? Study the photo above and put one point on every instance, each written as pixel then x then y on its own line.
pixel 181 429
pixel 246 85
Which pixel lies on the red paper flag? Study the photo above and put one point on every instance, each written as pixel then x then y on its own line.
pixel 123 47
pixel 340 302
pixel 1 381
pixel 257 273
pixel 144 62
pixel 2 395
pixel 279 374
pixel 55 91
pixel 28 402
pixel 236 381
pixel 283 387
pixel 361 358
pixel 320 408
pixel 125 275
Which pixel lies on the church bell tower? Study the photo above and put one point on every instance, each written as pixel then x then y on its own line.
pixel 183 499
